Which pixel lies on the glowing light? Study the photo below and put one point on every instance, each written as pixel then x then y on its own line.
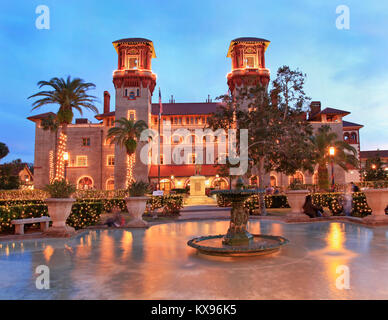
pixel 373 166
pixel 207 182
pixel 130 165
pixel 172 177
pixel 48 252
pixel 66 156
pixel 331 151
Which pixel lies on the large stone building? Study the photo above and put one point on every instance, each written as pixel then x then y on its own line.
pixel 95 163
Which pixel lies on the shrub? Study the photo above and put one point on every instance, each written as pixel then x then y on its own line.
pixel 139 189
pixel 60 189
pixel 171 204
pixel 83 213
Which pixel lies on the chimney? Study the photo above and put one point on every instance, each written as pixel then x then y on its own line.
pixel 106 102
pixel 315 107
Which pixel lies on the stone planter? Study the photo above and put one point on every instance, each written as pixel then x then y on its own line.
pixel 296 199
pixel 377 200
pixel 59 210
pixel 136 207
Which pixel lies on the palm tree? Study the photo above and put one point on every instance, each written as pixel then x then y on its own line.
pixel 3 150
pixel 126 134
pixel 70 95
pixel 344 155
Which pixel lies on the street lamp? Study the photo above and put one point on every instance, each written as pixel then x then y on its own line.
pixel 66 160
pixel 332 153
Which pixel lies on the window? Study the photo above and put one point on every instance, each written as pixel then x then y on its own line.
pixel 132 62
pixel 126 93
pixel 297 178
pixel 110 160
pixel 137 92
pixel 161 159
pixel 81 161
pixel 86 142
pixel 110 184
pixel 192 120
pixel 132 115
pixel 250 61
pixel 132 95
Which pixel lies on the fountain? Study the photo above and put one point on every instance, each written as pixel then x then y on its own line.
pixel 237 241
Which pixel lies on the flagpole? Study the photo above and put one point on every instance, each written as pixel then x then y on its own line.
pixel 160 119
pixel 159 151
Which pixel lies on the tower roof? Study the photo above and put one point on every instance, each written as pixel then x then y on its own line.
pixel 247 40
pixel 117 43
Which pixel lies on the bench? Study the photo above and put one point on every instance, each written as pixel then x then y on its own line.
pixel 19 223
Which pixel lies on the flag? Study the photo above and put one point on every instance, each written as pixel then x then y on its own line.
pixel 160 104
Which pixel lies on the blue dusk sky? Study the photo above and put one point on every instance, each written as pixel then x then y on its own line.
pixel 346 69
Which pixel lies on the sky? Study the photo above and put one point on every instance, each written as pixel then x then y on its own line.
pixel 346 68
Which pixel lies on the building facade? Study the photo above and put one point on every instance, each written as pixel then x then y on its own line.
pixel 95 163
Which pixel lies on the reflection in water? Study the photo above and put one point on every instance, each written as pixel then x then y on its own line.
pixel 48 252
pixel 156 263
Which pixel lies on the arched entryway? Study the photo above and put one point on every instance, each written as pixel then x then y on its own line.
pixel 85 183
pixel 220 183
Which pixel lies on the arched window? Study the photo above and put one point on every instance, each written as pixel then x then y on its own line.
pixel 346 136
pixel 273 181
pixel 85 183
pixel 297 178
pixel 353 137
pixel 315 178
pixel 166 185
pixel 110 184
pixel 220 183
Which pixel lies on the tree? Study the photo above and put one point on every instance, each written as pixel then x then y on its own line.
pixel 3 150
pixel 344 156
pixel 9 175
pixel 275 142
pixel 70 95
pixel 288 89
pixel 126 134
pixel 374 170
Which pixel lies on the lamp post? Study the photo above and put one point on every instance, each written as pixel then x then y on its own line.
pixel 332 153
pixel 65 159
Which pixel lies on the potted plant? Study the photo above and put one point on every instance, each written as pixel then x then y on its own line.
pixel 296 195
pixel 59 207
pixel 377 198
pixel 136 203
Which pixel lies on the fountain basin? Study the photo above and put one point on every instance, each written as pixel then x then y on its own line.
pixel 258 245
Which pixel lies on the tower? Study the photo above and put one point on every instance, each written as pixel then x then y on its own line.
pixel 248 63
pixel 134 82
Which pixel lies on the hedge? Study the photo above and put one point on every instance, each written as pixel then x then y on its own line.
pixel 83 213
pixel 334 201
pixel 271 201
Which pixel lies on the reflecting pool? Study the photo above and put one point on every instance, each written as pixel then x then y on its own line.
pixel 157 264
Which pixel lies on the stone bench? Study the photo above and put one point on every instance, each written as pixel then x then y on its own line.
pixel 19 223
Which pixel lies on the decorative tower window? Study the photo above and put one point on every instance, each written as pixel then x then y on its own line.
pixel 251 61
pixel 132 95
pixel 132 115
pixel 132 62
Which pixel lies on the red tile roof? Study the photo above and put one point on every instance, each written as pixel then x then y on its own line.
pixel 334 111
pixel 41 116
pixel 187 170
pixel 351 124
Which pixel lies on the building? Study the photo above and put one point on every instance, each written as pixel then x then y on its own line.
pixel 371 154
pixel 95 163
